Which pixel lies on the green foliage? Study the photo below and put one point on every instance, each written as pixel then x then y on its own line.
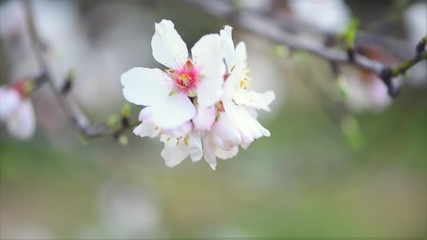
pixel 350 33
pixel 352 132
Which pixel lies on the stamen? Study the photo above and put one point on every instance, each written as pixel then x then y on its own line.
pixel 186 78
pixel 186 140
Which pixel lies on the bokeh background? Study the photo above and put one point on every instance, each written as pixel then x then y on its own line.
pixel 320 174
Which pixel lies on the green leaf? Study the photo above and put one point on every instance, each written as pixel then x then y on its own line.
pixel 351 31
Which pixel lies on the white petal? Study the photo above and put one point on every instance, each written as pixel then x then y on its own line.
pixel 145 113
pixel 227 46
pixel 255 100
pixel 241 57
pixel 145 86
pixel 173 111
pixel 224 133
pixel 204 118
pixel 209 152
pixel 168 47
pixel 226 154
pixel 9 101
pixel 208 59
pixel 179 131
pixel 232 84
pixel 173 153
pixel 195 147
pixel 249 127
pixel 147 129
pixel 21 123
pixel 245 144
pixel 378 94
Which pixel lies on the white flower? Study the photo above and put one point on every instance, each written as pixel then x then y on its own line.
pixel 17 113
pixel 171 93
pixel 200 107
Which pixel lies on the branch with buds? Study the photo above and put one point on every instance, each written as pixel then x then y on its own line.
pixel 267 27
pixel 112 128
pixel 256 22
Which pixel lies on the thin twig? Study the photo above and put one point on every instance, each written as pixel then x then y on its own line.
pixel 74 113
pixel 266 27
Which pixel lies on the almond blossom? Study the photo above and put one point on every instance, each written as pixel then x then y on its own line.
pixel 201 107
pixel 16 111
pixel 171 93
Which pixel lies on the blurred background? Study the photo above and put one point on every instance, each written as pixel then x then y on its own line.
pixel 335 165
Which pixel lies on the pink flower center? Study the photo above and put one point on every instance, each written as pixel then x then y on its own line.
pixel 185 78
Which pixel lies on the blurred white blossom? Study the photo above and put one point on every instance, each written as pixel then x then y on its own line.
pixel 16 111
pixel 331 16
pixel 125 212
pixel 364 92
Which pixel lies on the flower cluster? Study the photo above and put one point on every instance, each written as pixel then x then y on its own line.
pixel 16 110
pixel 202 105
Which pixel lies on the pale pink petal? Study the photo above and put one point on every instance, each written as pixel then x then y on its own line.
pixel 209 152
pixel 205 116
pixel 179 131
pixel 9 101
pixel 21 123
pixel 145 86
pixel 145 114
pixel 224 133
pixel 379 94
pixel 173 111
pixel 168 47
pixel 208 59
pixel 226 154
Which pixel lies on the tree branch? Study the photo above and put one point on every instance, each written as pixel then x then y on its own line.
pixel 73 112
pixel 267 27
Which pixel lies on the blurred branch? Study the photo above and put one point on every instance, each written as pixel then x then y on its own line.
pixel 73 112
pixel 262 25
pixel 420 55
